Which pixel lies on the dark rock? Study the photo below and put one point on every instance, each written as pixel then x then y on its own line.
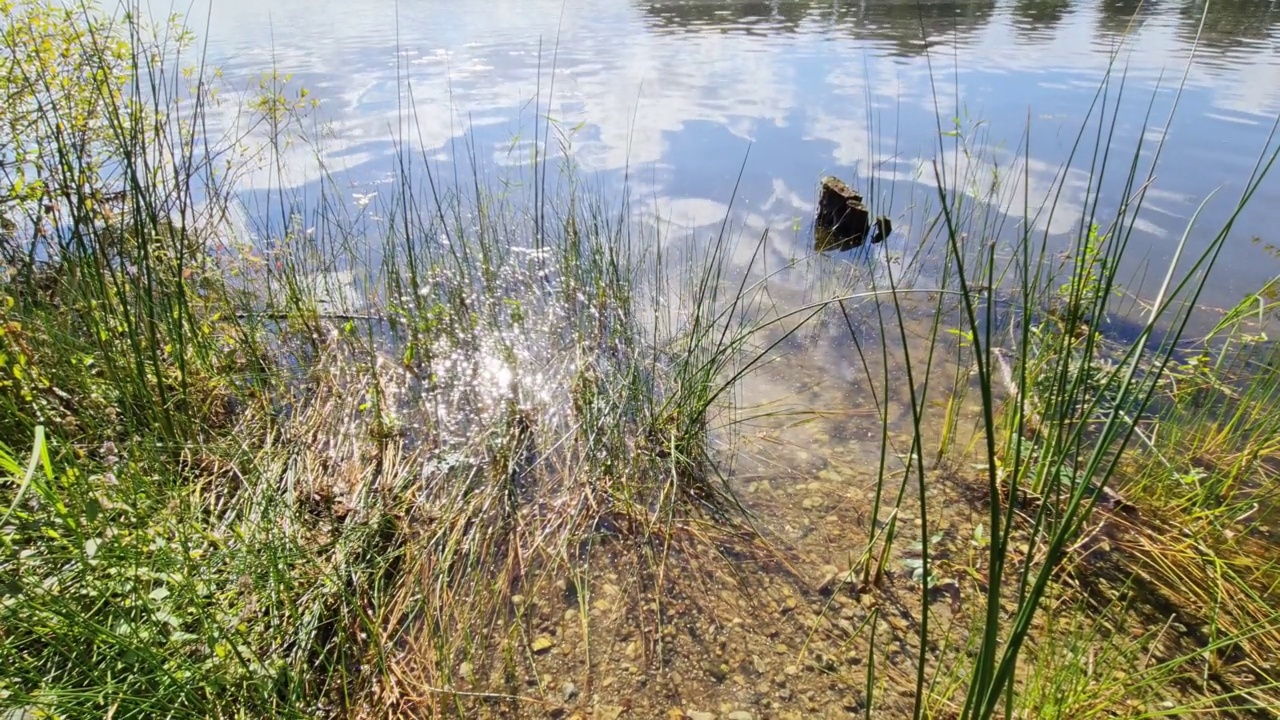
pixel 823 663
pixel 843 221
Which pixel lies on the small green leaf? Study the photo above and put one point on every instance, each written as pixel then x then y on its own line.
pixel 168 618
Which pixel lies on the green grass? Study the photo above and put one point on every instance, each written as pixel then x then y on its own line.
pixel 1064 418
pixel 334 473
pixel 258 500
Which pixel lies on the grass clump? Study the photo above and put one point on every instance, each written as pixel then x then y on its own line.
pixel 397 456
pixel 1063 417
pixel 251 497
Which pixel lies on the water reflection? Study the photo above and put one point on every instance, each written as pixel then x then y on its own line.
pixel 1235 28
pixel 671 97
pixel 1038 18
pixel 906 28
pixel 909 27
pixel 1123 17
pixel 761 18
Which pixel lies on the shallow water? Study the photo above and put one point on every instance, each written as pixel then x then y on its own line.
pixel 683 102
pixel 692 105
pixel 675 97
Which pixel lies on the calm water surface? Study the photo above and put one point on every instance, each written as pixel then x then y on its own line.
pixel 672 96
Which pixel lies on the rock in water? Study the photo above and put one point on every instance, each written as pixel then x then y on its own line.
pixel 842 221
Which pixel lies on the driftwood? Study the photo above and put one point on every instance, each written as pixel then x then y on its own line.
pixel 843 221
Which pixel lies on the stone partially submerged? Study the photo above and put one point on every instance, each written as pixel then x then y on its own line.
pixel 843 221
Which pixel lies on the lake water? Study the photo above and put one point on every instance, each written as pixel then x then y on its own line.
pixel 672 97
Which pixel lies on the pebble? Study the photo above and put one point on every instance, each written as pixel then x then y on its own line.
pixel 843 581
pixel 822 663
pixel 811 503
pixel 569 692
pixel 697 715
pixel 899 624
pixel 851 703
pixel 740 715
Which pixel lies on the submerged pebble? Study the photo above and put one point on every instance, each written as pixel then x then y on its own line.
pixel 569 692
